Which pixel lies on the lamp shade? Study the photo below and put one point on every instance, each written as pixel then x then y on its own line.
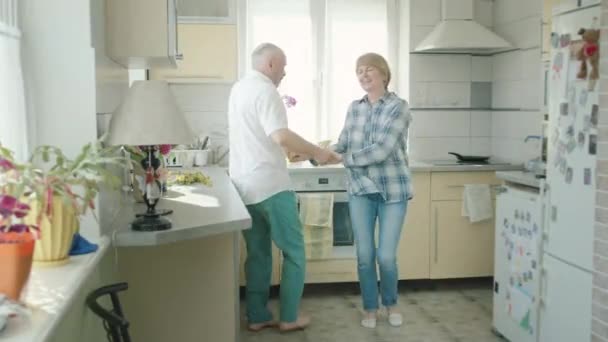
pixel 149 116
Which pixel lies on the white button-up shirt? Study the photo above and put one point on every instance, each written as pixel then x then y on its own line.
pixel 257 164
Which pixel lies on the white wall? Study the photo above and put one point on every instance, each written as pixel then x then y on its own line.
pixel 440 90
pixel 67 81
pixel 516 81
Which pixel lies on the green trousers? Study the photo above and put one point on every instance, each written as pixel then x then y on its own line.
pixel 274 219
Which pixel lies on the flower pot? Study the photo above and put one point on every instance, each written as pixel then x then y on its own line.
pixel 16 250
pixel 56 233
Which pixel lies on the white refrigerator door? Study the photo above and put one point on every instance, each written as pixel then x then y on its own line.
pixel 516 264
pixel 572 147
pixel 565 314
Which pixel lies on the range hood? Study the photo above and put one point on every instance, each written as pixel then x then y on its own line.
pixel 459 33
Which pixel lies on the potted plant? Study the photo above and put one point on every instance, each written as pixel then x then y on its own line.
pixel 16 236
pixel 58 191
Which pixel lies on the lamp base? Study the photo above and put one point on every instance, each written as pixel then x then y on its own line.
pixel 150 223
pixel 160 212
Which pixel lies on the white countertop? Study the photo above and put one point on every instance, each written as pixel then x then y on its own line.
pixel 415 166
pixel 49 293
pixel 519 177
pixel 198 211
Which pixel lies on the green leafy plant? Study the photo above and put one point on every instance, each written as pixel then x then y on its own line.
pixel 48 173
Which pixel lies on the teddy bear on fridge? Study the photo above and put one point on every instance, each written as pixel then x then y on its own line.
pixel 589 52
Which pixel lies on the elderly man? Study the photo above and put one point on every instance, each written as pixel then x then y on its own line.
pixel 259 136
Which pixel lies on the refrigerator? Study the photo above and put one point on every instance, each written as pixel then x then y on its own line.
pixel 569 195
pixel 517 254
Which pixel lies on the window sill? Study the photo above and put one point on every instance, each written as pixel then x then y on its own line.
pixel 49 294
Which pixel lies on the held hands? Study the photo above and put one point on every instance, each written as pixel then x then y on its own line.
pixel 325 156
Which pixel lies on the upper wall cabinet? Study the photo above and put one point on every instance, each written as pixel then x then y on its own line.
pixel 141 34
pixel 206 11
pixel 210 55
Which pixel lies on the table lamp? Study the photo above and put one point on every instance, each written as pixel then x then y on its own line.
pixel 148 117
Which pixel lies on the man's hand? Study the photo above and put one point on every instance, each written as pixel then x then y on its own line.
pixel 325 156
pixel 295 157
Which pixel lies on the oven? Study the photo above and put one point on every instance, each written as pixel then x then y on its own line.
pixel 307 179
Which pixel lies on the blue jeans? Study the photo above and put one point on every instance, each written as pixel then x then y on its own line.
pixel 363 212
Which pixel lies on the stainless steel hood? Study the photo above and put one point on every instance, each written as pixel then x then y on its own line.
pixel 459 33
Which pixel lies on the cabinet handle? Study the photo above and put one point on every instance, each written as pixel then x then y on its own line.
pixel 436 235
pixel 179 56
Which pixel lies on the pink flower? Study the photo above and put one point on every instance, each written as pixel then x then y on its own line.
pixel 289 101
pixel 6 164
pixel 10 206
pixel 164 149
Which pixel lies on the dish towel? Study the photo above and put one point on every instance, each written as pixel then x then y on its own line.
pixel 316 215
pixel 477 202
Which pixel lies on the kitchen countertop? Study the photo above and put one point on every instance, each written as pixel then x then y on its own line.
pixel 519 177
pixel 198 211
pixel 417 166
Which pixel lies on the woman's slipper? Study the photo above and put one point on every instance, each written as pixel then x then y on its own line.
pixel 368 323
pixel 395 319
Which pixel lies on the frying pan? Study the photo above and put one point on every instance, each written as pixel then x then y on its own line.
pixel 470 159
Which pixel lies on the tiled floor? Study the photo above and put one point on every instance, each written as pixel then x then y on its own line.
pixel 452 311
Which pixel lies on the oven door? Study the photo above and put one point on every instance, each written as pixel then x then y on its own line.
pixel 342 229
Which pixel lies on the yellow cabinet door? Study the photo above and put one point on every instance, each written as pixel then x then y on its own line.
pixel 209 54
pixel 413 253
pixel 459 248
pixel 276 264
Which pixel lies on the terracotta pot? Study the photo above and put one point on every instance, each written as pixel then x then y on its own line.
pixel 16 251
pixel 56 233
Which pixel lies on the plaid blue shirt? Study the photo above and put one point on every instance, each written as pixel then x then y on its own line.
pixel 373 144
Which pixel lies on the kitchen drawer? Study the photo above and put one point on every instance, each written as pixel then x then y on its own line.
pixel 448 186
pixel 331 270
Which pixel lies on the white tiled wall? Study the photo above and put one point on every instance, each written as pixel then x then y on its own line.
pixel 444 82
pixel 517 80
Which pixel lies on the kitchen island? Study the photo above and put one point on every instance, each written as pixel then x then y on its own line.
pixel 183 282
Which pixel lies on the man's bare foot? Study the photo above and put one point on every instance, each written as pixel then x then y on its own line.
pixel 255 327
pixel 300 324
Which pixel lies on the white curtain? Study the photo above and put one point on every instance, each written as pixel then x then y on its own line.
pixel 13 122
pixel 354 27
pixel 322 39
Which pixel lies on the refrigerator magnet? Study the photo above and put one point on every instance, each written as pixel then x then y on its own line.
pixel 571 145
pixel 535 228
pixel 555 40
pixel 594 112
pixel 563 108
pixel 569 175
pixel 593 144
pixel 516 214
pixel 581 139
pixel 564 40
pixel 587 176
pixel 528 217
pixel 558 64
pixel 570 131
pixel 553 213
pixel 533 264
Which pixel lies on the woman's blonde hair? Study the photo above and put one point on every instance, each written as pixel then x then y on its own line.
pixel 377 61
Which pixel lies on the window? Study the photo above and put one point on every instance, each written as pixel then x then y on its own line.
pixel 13 124
pixel 322 39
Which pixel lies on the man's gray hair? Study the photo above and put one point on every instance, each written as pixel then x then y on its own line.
pixel 262 52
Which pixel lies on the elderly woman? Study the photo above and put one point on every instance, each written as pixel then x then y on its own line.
pixel 373 147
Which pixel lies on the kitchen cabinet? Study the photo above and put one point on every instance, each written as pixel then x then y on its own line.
pixel 208 11
pixel 142 33
pixel 276 264
pixel 413 255
pixel 210 55
pixel 458 248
